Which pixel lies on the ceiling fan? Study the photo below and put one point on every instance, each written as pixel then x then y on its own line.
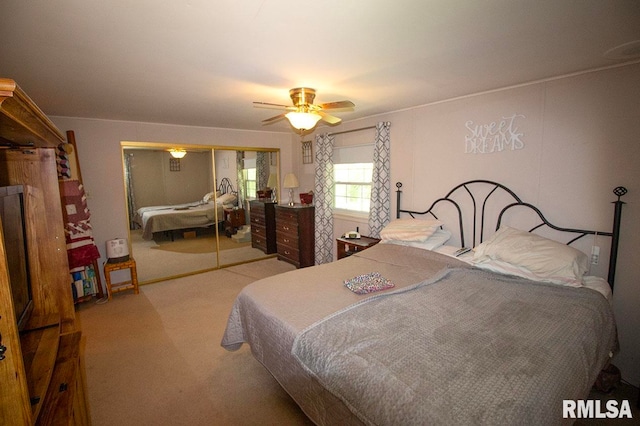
pixel 304 114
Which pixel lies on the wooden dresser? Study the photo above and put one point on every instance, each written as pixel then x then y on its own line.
pixel 295 237
pixel 263 225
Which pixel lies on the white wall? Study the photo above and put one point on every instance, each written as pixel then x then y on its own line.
pixel 581 139
pixel 155 184
pixel 100 156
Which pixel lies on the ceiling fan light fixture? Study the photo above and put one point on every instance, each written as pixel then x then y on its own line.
pixel 177 153
pixel 303 120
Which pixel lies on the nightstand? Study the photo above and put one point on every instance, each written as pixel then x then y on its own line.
pixel 233 219
pixel 349 246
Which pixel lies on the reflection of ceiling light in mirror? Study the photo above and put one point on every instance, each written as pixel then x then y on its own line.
pixel 177 153
pixel 303 120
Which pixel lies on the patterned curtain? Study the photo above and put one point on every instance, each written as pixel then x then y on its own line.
pixel 323 199
pixel 240 177
pixel 262 172
pixel 128 159
pixel 380 210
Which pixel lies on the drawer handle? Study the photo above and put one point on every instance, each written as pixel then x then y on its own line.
pixel 258 241
pixel 287 252
pixel 286 240
pixel 286 228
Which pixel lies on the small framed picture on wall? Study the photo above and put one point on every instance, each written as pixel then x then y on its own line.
pixel 307 152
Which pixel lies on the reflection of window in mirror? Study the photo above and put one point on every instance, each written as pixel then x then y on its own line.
pixel 249 174
pixel 250 185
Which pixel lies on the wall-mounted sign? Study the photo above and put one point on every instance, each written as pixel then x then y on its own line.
pixel 497 136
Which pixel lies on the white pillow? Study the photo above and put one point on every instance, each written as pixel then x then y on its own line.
pixel 207 197
pixel 409 229
pixel 228 198
pixel 531 256
pixel 437 239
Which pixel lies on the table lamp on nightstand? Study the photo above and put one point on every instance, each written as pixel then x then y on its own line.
pixel 290 182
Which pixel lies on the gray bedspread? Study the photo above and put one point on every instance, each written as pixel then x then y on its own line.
pixel 269 313
pixel 181 216
pixel 467 347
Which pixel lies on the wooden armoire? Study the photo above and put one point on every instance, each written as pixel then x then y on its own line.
pixel 42 375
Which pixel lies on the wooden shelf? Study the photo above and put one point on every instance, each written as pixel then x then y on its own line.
pixel 58 404
pixel 22 122
pixel 39 351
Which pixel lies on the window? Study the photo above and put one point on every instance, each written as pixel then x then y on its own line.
pixel 250 184
pixel 353 186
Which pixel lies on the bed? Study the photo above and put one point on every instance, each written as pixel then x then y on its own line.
pixel 497 335
pixel 198 214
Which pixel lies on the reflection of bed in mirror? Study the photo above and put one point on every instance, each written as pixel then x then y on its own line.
pixel 197 214
pixel 199 245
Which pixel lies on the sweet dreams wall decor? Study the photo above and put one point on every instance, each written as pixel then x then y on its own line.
pixel 497 136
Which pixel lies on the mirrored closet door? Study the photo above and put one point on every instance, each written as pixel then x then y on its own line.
pixel 189 205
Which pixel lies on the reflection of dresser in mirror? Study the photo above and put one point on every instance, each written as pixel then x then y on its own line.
pixel 263 225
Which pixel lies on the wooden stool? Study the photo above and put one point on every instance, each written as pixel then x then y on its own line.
pixel 125 285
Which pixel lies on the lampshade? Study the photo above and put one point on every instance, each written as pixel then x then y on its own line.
pixel 177 153
pixel 303 120
pixel 290 181
pixel 273 181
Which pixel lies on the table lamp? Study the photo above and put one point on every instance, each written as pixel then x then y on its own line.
pixel 290 182
pixel 271 184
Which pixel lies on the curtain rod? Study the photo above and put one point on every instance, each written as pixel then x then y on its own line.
pixel 353 130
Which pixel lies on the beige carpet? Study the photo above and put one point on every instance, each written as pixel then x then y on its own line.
pixel 154 264
pixel 199 245
pixel 155 358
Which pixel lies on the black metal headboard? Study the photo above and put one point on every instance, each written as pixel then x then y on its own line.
pixel 480 192
pixel 226 187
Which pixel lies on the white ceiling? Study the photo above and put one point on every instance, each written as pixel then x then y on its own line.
pixel 203 62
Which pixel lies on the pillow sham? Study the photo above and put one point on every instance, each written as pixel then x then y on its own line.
pixel 437 239
pixel 207 197
pixel 531 256
pixel 409 229
pixel 227 199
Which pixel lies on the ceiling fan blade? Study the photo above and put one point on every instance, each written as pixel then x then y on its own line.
pixel 329 118
pixel 270 105
pixel 338 105
pixel 273 119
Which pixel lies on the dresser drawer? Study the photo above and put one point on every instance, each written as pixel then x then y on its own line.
pixel 258 237
pixel 259 243
pixel 256 219
pixel 288 240
pixel 286 224
pixel 286 215
pixel 289 230
pixel 258 230
pixel 289 254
